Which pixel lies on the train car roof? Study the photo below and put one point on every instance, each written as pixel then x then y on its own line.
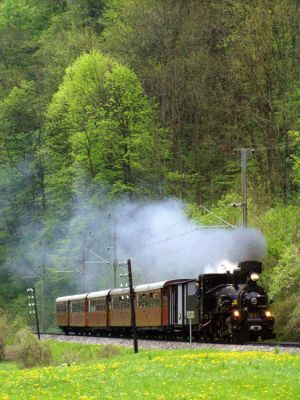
pixel 138 288
pixel 71 298
pixel 159 285
pixel 119 291
pixel 150 286
pixel 102 293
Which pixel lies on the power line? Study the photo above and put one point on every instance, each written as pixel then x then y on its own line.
pixel 215 215
pixel 275 146
pixel 185 233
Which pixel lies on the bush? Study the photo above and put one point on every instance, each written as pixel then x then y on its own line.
pixel 287 317
pixel 109 351
pixel 3 334
pixel 16 325
pixel 28 351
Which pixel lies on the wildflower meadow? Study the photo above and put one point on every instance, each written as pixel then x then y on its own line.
pixel 157 374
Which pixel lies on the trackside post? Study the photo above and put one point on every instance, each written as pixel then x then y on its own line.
pixel 32 298
pixel 190 315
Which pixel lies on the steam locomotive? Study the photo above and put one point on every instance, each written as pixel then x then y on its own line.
pixel 233 305
pixel 229 306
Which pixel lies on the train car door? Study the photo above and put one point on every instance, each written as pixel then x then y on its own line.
pixel 68 311
pixel 86 311
pixel 176 305
pixel 165 295
pixel 179 305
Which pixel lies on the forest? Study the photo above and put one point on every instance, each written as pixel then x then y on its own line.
pixel 106 101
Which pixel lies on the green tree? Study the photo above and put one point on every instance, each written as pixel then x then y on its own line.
pixel 69 34
pixel 21 22
pixel 295 135
pixel 21 179
pixel 223 74
pixel 101 130
pixel 261 50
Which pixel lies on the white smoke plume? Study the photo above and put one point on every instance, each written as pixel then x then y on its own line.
pixel 158 237
pixel 164 244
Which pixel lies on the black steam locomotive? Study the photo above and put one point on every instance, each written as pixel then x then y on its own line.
pixel 232 306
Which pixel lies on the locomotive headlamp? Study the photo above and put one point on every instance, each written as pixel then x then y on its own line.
pixel 236 313
pixel 254 277
pixel 268 314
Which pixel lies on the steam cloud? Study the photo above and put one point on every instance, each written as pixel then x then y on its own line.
pixel 164 244
pixel 159 238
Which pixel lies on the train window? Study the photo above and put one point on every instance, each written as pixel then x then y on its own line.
pixel 97 305
pixel 62 308
pixel 120 302
pixel 146 300
pixel 125 302
pixel 143 300
pixel 77 306
pixel 154 299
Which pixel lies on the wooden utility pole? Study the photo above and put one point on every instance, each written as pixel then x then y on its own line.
pixel 133 317
pixel 115 257
pixel 43 291
pixel 84 266
pixel 244 156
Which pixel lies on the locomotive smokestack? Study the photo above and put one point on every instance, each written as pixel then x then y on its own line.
pixel 250 266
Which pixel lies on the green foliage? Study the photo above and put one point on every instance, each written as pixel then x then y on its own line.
pixel 14 326
pixel 3 334
pixel 285 288
pixel 75 353
pixel 221 84
pixel 287 273
pixel 8 330
pixel 66 38
pixel 28 351
pixel 281 227
pixel 105 126
pixel 296 157
pixel 109 351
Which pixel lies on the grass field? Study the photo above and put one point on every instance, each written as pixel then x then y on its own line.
pixel 94 372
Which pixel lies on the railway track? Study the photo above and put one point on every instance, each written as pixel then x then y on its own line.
pixel 173 344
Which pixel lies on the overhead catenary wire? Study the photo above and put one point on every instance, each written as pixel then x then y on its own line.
pixel 103 261
pixel 276 146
